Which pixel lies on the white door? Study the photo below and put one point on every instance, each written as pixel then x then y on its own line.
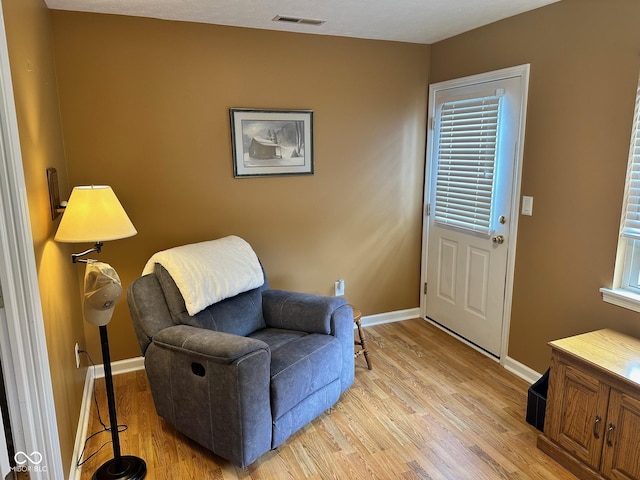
pixel 473 160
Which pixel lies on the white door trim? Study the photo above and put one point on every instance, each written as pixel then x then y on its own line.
pixel 521 71
pixel 5 465
pixel 22 338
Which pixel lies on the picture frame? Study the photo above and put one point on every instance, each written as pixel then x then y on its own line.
pixel 271 142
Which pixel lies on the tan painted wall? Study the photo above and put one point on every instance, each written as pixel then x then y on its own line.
pixel 585 59
pixel 145 108
pixel 29 40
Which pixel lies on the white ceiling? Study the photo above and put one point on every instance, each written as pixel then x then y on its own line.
pixel 415 21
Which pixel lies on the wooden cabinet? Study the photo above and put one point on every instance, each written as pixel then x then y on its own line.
pixel 592 424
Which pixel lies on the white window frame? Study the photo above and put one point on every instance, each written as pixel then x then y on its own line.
pixel 625 290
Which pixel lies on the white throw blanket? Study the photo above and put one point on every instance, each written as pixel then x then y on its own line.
pixel 208 272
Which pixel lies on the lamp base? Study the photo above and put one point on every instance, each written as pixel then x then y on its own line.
pixel 130 468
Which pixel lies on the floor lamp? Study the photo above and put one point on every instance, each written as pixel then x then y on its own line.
pixel 94 215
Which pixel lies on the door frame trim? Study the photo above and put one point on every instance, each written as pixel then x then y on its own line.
pixel 521 71
pixel 22 337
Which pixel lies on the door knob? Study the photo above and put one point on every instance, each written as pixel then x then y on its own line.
pixel 498 239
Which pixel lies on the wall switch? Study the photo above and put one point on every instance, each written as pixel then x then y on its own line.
pixel 77 351
pixel 527 205
pixel 339 288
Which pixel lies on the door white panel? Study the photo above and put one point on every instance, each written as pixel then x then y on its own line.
pixel 477 280
pixel 448 254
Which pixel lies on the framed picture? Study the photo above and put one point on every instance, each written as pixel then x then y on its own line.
pixel 271 142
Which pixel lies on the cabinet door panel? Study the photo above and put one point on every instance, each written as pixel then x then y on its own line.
pixel 621 455
pixel 584 399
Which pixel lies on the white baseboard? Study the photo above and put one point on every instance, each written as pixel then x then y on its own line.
pixel 83 425
pixel 389 317
pixel 94 372
pixel 121 366
pixel 520 369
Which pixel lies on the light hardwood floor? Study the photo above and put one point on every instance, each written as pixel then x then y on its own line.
pixel 431 408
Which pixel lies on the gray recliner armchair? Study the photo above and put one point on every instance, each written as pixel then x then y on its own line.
pixel 245 373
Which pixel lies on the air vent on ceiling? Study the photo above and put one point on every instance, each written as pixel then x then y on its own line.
pixel 303 21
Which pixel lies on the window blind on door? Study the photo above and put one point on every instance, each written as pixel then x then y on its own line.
pixel 466 155
pixel 630 227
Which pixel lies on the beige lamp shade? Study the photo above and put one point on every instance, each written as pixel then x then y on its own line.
pixel 94 214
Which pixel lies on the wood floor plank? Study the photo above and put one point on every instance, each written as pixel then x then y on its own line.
pixel 431 408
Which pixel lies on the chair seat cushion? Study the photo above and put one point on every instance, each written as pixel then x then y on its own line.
pixel 277 337
pixel 302 367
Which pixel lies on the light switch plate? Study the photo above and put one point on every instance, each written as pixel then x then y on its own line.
pixel 527 205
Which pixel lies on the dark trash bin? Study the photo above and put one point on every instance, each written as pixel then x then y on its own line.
pixel 537 401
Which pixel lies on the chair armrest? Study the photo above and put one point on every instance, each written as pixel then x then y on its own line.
pixel 300 311
pixel 219 347
pixel 214 388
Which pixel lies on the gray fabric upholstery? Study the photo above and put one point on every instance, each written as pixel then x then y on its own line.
pixel 276 338
pixel 300 368
pixel 312 406
pixel 299 311
pixel 244 374
pixel 342 329
pixel 225 406
pixel 214 346
pixel 222 316
pixel 148 309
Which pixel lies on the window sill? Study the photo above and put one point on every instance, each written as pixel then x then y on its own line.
pixel 621 298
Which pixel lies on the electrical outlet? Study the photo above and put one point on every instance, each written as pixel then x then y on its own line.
pixel 339 288
pixel 76 349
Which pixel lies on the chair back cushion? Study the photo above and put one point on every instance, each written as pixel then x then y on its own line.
pixel 239 315
pixel 210 271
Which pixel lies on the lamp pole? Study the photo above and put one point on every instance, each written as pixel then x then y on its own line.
pixel 119 467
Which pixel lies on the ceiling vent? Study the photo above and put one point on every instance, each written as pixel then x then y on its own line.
pixel 302 21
